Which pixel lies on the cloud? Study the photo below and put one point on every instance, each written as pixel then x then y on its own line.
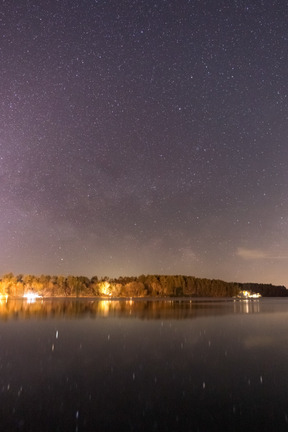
pixel 251 254
pixel 257 254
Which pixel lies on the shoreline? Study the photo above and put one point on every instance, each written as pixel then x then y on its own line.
pixel 134 299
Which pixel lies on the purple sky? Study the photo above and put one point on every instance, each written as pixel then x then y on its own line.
pixel 144 137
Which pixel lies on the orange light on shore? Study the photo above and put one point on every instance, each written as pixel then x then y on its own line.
pixel 2 297
pixel 105 288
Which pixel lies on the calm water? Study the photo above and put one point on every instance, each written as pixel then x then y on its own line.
pixel 144 366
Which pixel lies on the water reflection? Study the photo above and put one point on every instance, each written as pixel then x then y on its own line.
pixel 247 306
pixel 70 365
pixel 133 308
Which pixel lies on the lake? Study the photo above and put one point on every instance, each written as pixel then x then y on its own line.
pixel 163 365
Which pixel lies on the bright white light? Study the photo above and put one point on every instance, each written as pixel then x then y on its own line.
pixel 31 297
pixel 248 295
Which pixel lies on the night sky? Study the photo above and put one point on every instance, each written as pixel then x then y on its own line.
pixel 144 137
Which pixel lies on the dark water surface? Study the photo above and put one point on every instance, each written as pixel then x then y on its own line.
pixel 86 365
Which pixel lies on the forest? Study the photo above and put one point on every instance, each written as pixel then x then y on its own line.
pixel 141 286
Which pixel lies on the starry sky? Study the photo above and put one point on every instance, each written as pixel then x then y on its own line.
pixel 142 136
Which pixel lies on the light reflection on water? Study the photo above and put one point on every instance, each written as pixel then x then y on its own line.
pixel 135 308
pixel 247 306
pixel 160 365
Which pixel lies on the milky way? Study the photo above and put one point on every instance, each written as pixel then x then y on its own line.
pixel 144 137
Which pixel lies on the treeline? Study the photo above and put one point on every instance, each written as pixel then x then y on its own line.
pixel 266 290
pixel 142 286
pixel 150 285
